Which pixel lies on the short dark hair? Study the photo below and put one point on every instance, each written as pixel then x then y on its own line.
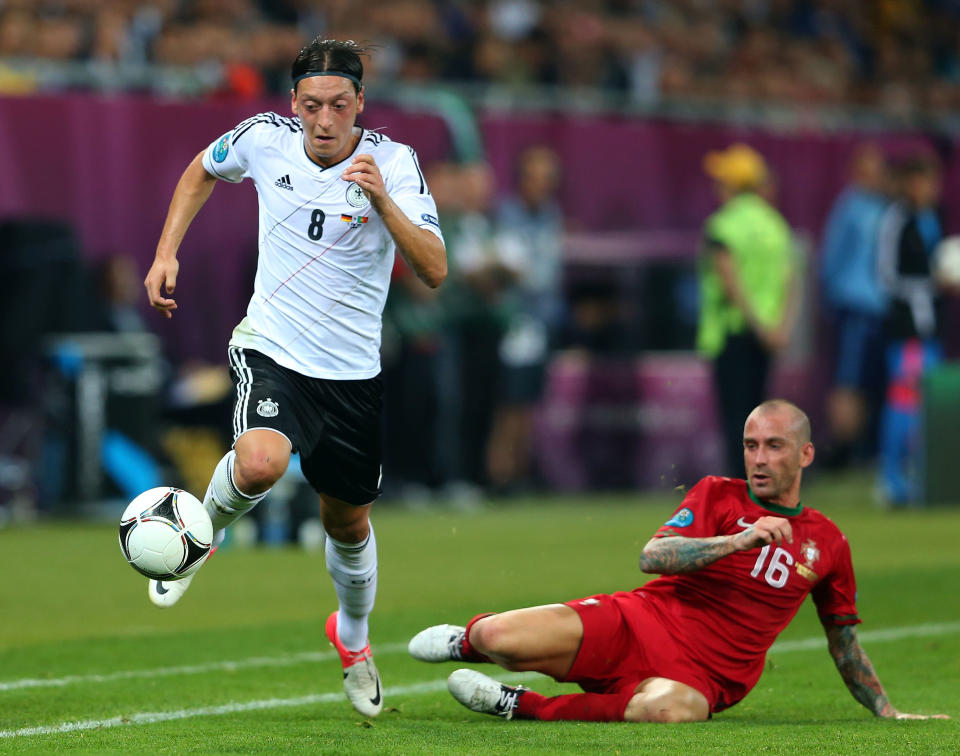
pixel 330 55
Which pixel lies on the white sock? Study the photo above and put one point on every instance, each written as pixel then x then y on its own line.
pixel 353 567
pixel 223 501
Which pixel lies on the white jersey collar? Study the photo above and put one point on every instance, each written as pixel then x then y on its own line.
pixel 322 169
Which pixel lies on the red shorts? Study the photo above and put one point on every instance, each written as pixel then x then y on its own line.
pixel 613 657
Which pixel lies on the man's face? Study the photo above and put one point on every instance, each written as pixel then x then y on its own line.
pixel 539 175
pixel 328 107
pixel 869 169
pixel 774 455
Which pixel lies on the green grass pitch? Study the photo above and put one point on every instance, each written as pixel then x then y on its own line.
pixel 241 665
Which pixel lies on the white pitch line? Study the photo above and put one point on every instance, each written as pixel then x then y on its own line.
pixel 154 717
pixel 307 657
pixel 190 669
pixel 873 636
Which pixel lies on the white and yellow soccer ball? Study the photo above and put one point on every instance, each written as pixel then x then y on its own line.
pixel 946 261
pixel 165 533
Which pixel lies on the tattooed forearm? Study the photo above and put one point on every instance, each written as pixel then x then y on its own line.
pixel 856 670
pixel 675 555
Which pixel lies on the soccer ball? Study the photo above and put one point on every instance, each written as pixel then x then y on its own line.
pixel 165 533
pixel 946 261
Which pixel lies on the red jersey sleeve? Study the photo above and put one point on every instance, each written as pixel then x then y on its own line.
pixel 835 596
pixel 698 515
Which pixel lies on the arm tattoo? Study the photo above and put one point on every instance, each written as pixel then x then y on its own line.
pixel 856 670
pixel 674 555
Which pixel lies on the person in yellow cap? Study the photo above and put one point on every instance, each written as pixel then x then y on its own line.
pixel 746 274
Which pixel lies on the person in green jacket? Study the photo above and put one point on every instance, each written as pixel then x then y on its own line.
pixel 746 275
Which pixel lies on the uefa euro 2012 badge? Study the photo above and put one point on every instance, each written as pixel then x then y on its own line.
pixel 681 519
pixel 222 148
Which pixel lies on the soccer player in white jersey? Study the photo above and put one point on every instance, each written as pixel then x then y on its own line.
pixel 335 201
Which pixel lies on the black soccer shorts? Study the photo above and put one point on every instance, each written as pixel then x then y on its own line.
pixel 334 425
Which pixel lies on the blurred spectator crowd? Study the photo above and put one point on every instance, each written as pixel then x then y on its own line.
pixel 902 56
pixel 465 365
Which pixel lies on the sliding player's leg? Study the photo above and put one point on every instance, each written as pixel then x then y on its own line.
pixel 655 699
pixel 541 638
pixel 588 641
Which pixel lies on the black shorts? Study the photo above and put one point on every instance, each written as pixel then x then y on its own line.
pixel 335 426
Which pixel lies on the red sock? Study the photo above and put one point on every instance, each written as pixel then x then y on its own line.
pixel 468 652
pixel 581 707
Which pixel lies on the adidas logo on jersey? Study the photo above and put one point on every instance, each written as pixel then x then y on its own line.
pixel 284 182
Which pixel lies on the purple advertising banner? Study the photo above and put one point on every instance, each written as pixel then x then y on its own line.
pixel 648 423
pixel 109 165
pixel 622 173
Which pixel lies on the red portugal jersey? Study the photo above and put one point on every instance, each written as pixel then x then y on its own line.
pixel 729 613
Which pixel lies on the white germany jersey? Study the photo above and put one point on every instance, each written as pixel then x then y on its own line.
pixel 325 257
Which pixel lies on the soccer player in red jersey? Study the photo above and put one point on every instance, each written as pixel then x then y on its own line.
pixel 736 560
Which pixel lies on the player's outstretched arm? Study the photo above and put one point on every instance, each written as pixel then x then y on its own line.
pixel 857 672
pixel 422 250
pixel 673 555
pixel 193 190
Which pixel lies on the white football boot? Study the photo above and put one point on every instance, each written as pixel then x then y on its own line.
pixel 439 643
pixel 166 593
pixel 361 681
pixel 483 694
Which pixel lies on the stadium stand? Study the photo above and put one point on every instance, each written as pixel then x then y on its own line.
pixel 896 56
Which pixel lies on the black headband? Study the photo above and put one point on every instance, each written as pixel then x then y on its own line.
pixel 342 74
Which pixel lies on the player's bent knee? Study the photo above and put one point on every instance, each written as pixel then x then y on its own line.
pixel 491 636
pixel 642 710
pixel 256 471
pixel 672 702
pixel 355 532
pixel 344 522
